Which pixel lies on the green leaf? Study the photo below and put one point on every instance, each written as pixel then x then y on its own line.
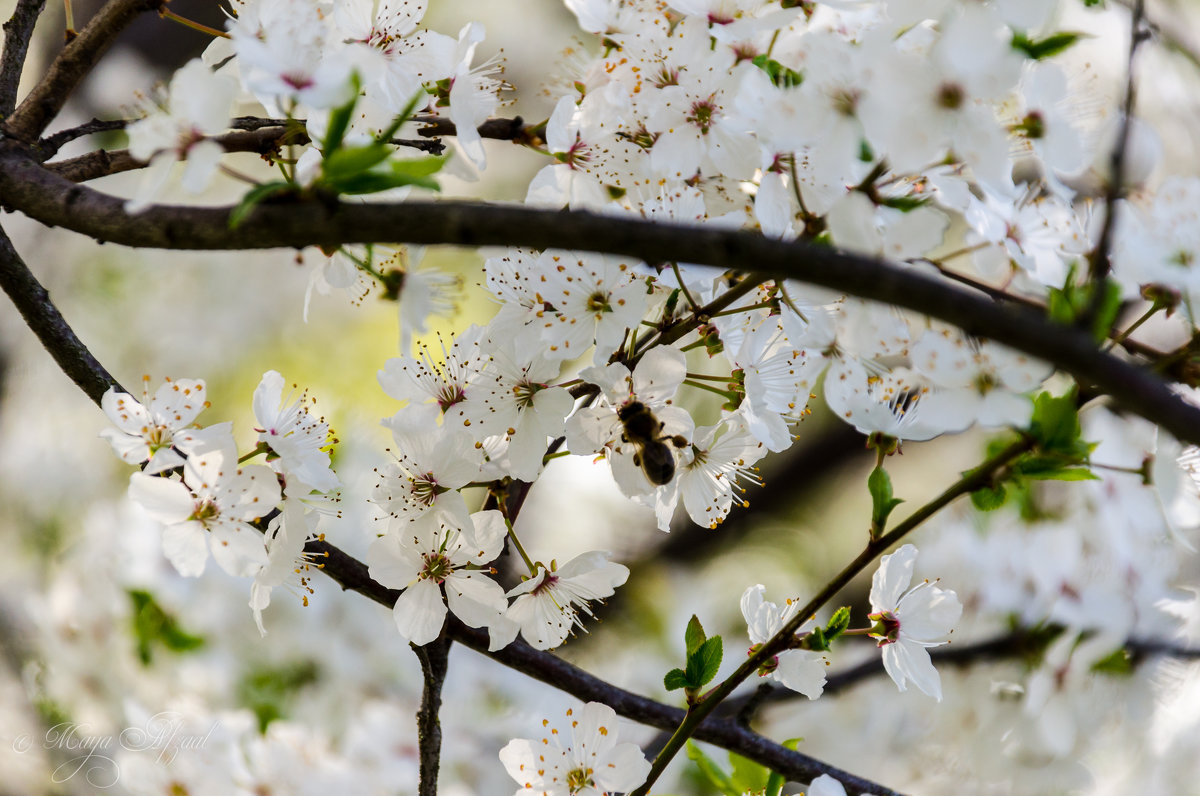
pixel 675 679
pixel 1055 422
pixel 747 775
pixel 269 691
pixel 353 160
pixel 709 654
pixel 419 167
pixel 694 635
pixel 254 197
pixel 702 665
pixel 905 203
pixel 1119 662
pixel 711 771
pixel 1053 44
pixel 989 498
pixel 838 623
pixel 153 626
pixel 1107 311
pixel 879 483
pixel 780 75
pixel 776 781
pixel 339 122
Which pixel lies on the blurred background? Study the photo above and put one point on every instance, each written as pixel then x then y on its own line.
pixel 97 629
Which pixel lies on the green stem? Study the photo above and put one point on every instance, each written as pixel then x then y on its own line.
pixel 1133 327
pixel 165 14
pixel 262 447
pixel 691 301
pixel 726 394
pixel 512 534
pixel 975 479
pixel 759 306
pixel 703 376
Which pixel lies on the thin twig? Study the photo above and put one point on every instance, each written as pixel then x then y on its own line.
pixel 972 480
pixel 434 658
pixel 263 140
pixel 513 129
pixel 17 32
pixel 1099 265
pixel 48 147
pixel 72 64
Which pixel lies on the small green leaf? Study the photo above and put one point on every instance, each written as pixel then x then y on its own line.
pixel 711 771
pixel 353 160
pixel 709 658
pixel 1053 44
pixel 989 498
pixel 254 197
pixel 339 122
pixel 838 623
pixel 1119 662
pixel 694 635
pixel 153 626
pixel 905 203
pixel 748 776
pixel 675 680
pixel 776 781
pixel 1109 308
pixel 780 75
pixel 879 483
pixel 419 167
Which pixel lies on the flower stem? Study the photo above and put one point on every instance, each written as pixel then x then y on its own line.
pixel 972 480
pixel 171 15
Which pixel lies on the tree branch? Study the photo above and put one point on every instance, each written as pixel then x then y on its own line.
pixel 264 140
pixel 1099 265
pixel 434 657
pixel 1012 645
pixel 74 62
pixel 33 302
pixel 17 32
pixel 513 129
pixel 26 186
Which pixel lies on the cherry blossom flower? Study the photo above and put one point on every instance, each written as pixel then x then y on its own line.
pixel 438 564
pixel 198 104
pixel 592 763
pixel 293 434
pixel 151 431
pixel 799 670
pixel 907 621
pixel 215 500
pixel 547 605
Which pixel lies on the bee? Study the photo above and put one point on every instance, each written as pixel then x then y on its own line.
pixel 644 431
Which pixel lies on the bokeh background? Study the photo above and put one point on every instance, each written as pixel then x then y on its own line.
pixel 332 684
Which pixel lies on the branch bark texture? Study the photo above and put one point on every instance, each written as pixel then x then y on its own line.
pixel 26 186
pixel 82 53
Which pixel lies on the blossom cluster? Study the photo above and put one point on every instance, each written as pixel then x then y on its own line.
pixel 889 130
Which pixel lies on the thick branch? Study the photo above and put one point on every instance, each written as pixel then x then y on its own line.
pixel 352 574
pixel 434 658
pixel 74 62
pixel 33 302
pixel 17 33
pixel 27 187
